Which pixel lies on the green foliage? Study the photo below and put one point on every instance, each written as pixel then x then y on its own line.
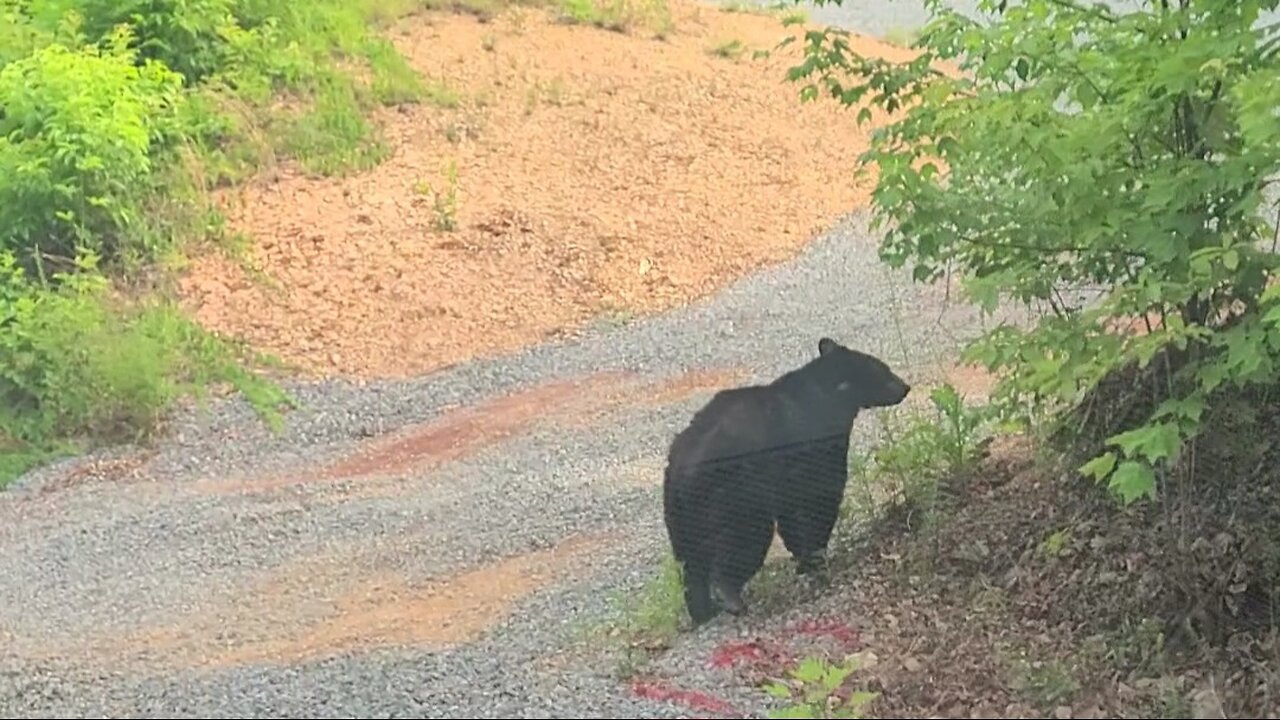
pixel 729 49
pixel 919 453
pixel 818 688
pixel 183 35
pixel 619 15
pixel 74 364
pixel 1087 147
pixel 1045 684
pixel 77 137
pixel 444 200
pixel 648 621
pixel 117 116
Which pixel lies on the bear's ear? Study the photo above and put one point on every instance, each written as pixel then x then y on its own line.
pixel 826 345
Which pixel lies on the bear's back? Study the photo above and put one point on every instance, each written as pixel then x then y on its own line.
pixel 733 426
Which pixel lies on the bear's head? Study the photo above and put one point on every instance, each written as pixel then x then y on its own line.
pixel 864 379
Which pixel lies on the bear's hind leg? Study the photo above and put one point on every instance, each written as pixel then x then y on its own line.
pixel 805 526
pixel 697 594
pixel 740 553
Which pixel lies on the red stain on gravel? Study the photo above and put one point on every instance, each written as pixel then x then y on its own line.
pixel 462 431
pixel 693 699
pixel 755 653
pixel 841 632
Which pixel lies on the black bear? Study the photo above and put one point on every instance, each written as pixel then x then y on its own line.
pixel 765 454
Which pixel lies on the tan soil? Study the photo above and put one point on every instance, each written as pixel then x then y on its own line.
pixel 597 172
pixel 321 605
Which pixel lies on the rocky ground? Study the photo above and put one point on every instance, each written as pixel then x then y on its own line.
pixel 412 547
pixel 556 174
pixel 471 479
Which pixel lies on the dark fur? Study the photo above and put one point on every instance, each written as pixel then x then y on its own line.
pixel 765 454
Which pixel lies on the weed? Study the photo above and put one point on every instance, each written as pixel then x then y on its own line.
pixel 650 620
pixel 440 94
pixel 795 17
pixel 1138 647
pixel 333 135
pixel 1044 684
pixel 917 457
pixel 488 42
pixel 817 689
pixel 84 365
pixel 445 201
pixel 483 10
pixel 1054 543
pixel 731 49
pixel 744 7
pixel 1173 703
pixel 550 91
pixel 619 15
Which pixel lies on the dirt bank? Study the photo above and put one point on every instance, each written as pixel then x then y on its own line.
pixel 598 173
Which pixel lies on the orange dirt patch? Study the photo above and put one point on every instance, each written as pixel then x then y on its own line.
pixel 387 610
pixel 333 603
pixel 453 435
pixel 685 385
pixel 973 382
pixel 462 431
pixel 469 429
pixel 596 171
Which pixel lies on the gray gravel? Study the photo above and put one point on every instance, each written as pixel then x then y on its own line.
pixel 104 563
pixel 113 559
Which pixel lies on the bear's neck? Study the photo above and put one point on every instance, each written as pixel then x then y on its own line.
pixel 809 386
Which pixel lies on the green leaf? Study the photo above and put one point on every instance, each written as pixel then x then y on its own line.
pixel 1099 467
pixel 796 711
pixel 809 670
pixel 778 690
pixel 1231 259
pixel 1132 480
pixel 1155 442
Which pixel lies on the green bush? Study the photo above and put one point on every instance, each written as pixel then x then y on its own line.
pixel 184 35
pixel 1084 146
pixel 115 115
pixel 78 137
pixel 77 366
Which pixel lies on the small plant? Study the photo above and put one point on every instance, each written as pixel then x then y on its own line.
pixel 817 689
pixel 928 449
pixel 619 15
pixel 444 202
pixel 1045 684
pixel 1057 541
pixel 649 620
pixel 731 49
pixel 795 17
pixel 440 94
pixel 900 36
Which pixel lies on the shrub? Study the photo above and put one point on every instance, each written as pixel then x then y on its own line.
pixel 115 116
pixel 74 363
pixel 1083 146
pixel 79 140
pixel 183 35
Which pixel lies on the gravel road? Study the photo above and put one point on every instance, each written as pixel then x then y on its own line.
pixel 234 573
pixel 211 582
